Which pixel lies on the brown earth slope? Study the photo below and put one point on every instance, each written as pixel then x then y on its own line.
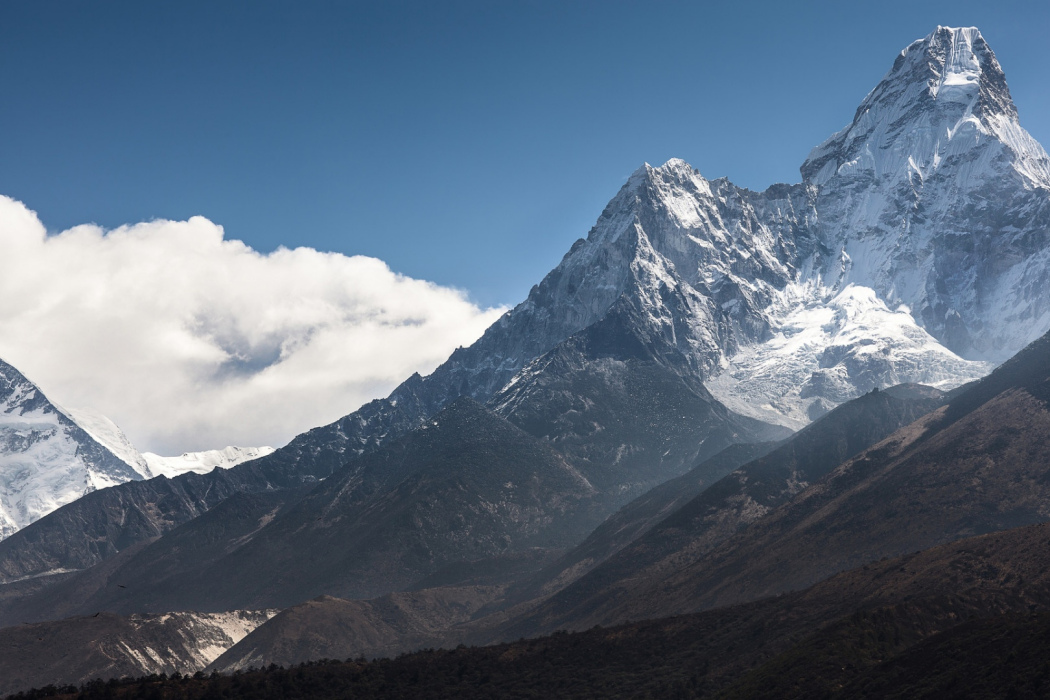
pixel 104 645
pixel 863 630
pixel 333 628
pixel 730 505
pixel 980 464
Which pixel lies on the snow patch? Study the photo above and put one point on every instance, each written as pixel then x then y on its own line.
pixel 826 348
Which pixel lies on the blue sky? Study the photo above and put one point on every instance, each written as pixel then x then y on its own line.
pixel 467 143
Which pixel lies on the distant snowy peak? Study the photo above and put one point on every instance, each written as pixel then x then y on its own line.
pixel 46 459
pixel 148 464
pixel 51 456
pixel 202 462
pixel 934 196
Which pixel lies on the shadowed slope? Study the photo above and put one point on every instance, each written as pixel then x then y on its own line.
pixel 856 630
pixel 980 464
pixel 733 503
pixel 467 485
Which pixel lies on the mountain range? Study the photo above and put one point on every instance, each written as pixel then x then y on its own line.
pixel 620 445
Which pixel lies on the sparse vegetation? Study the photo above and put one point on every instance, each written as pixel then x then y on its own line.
pixel 1002 657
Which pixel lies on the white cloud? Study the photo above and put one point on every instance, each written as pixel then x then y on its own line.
pixel 189 341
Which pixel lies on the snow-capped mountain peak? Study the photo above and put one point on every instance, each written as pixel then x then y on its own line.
pixel 917 242
pixel 46 459
pixel 945 98
pixel 937 198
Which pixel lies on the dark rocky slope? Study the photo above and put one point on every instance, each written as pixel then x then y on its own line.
pixel 979 464
pixel 333 628
pixel 466 486
pixel 732 504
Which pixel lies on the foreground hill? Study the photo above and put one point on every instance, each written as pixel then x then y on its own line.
pixel 714 517
pixel 81 649
pixel 979 464
pixel 862 631
pixel 333 628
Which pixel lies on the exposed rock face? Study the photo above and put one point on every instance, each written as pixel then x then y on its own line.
pixel 332 628
pixel 970 615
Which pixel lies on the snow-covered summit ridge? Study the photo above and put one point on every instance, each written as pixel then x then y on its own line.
pixel 946 95
pixel 109 435
pixel 917 244
pixel 148 464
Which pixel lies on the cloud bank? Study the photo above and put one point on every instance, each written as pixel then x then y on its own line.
pixel 189 341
